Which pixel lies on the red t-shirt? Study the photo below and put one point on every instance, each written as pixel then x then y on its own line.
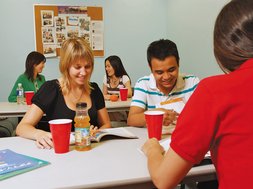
pixel 219 117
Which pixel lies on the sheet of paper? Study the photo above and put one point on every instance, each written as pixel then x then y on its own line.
pixel 165 143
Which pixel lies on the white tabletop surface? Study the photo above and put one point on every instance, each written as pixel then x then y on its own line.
pixel 9 109
pixel 12 109
pixel 109 164
pixel 118 105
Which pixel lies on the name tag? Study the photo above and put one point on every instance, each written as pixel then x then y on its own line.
pixel 176 104
pixel 172 101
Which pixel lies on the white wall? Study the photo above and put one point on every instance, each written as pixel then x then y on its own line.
pixel 190 26
pixel 130 26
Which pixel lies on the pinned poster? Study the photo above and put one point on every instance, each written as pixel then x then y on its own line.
pixel 54 24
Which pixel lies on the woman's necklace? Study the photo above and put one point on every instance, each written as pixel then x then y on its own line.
pixel 36 85
pixel 114 81
pixel 77 99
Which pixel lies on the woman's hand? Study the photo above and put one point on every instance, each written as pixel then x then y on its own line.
pixel 93 130
pixel 44 139
pixel 152 145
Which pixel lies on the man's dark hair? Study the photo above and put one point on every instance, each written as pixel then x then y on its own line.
pixel 162 49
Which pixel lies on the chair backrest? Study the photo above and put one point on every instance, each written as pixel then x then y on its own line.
pixel 6 128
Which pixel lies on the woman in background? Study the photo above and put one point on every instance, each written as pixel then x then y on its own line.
pixel 218 116
pixel 57 98
pixel 31 79
pixel 116 77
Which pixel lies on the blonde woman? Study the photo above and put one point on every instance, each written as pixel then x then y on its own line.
pixel 57 98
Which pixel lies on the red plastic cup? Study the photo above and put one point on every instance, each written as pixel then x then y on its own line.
pixel 154 121
pixel 123 94
pixel 28 97
pixel 60 129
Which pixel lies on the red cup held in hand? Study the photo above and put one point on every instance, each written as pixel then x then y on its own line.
pixel 154 121
pixel 123 94
pixel 60 129
pixel 28 97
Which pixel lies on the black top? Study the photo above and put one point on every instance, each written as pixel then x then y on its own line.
pixel 51 101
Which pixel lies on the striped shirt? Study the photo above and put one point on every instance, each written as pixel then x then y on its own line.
pixel 148 96
pixel 115 90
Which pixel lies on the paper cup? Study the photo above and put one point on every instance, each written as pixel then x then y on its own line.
pixel 123 94
pixel 154 121
pixel 28 97
pixel 60 129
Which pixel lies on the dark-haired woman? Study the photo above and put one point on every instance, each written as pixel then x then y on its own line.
pixel 116 77
pixel 31 79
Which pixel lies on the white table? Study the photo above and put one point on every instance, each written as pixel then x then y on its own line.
pixel 8 109
pixel 111 164
pixel 118 105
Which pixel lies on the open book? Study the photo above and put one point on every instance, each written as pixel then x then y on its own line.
pixel 12 163
pixel 118 132
pixel 110 133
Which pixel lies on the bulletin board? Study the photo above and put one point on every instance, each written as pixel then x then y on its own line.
pixel 54 24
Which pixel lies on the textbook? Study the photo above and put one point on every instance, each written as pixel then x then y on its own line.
pixel 112 133
pixel 12 163
pixel 107 134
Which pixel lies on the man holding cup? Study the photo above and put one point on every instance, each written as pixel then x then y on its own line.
pixel 165 89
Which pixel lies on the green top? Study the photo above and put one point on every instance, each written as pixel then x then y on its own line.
pixel 27 84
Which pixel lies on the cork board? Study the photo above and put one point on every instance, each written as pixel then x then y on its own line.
pixel 49 35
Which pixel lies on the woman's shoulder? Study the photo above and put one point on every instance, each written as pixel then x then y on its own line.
pixel 53 84
pixel 212 80
pixel 95 90
pixel 105 80
pixel 94 85
pixel 49 89
pixel 215 83
pixel 22 76
pixel 42 77
pixel 125 78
